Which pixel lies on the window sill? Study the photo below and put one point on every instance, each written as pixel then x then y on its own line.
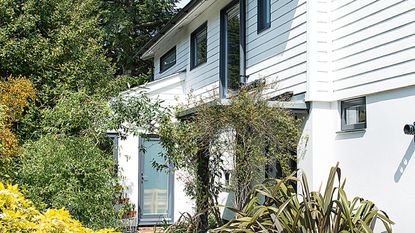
pixel 263 30
pixel 351 131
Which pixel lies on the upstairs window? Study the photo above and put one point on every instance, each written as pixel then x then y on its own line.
pixel 198 46
pixel 264 15
pixel 353 113
pixel 168 60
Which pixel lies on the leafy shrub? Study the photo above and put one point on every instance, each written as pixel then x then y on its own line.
pixel 17 214
pixel 14 95
pixel 72 173
pixel 285 211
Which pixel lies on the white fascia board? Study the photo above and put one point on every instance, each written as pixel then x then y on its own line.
pixel 177 27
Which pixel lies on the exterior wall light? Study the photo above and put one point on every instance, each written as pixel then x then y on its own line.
pixel 409 129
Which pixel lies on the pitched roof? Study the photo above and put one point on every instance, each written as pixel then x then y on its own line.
pixel 179 16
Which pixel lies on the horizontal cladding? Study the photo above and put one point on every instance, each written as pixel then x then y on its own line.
pixel 182 56
pixel 204 79
pixel 373 43
pixel 280 52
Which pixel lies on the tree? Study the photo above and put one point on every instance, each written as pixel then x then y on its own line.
pixel 19 215
pixel 71 165
pixel 70 172
pixel 248 132
pixel 56 44
pixel 128 26
pixel 15 94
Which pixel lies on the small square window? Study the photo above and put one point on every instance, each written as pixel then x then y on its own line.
pixel 353 114
pixel 168 60
pixel 198 49
pixel 264 15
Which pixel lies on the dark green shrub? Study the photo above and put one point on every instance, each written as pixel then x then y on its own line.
pixel 70 172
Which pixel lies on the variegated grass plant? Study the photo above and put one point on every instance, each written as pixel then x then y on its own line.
pixel 275 206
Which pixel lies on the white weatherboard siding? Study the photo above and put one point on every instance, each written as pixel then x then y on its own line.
pixel 182 55
pixel 373 46
pixel 279 53
pixel 201 80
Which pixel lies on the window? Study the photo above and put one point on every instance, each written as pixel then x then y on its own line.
pixel 230 58
pixel 168 60
pixel 353 114
pixel 264 15
pixel 114 138
pixel 198 46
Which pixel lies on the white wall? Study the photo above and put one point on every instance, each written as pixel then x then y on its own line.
pixel 378 163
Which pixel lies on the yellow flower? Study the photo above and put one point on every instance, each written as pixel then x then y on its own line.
pixel 17 214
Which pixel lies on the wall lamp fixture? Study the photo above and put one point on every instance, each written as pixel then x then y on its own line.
pixel 409 129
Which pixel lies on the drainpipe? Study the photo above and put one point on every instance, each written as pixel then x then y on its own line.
pixel 242 41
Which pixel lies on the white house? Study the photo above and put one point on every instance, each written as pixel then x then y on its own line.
pixel 352 62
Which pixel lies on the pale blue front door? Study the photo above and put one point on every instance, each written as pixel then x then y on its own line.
pixel 156 189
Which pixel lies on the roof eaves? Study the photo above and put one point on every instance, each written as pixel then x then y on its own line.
pixel 180 15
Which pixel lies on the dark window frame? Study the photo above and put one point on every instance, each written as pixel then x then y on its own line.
pixel 193 46
pixel 242 36
pixel 263 9
pixel 167 54
pixel 345 104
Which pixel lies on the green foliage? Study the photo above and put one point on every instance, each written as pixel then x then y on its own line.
pixel 56 44
pixel 286 211
pixel 71 165
pixel 19 215
pixel 136 114
pixel 15 94
pixel 128 25
pixel 70 172
pixel 78 114
pixel 247 129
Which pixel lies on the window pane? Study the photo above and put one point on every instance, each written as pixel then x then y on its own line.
pixel 354 114
pixel 264 14
pixel 199 46
pixel 233 49
pixel 155 183
pixel 168 60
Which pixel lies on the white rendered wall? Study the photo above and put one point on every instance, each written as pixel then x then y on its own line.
pixel 378 163
pixel 129 167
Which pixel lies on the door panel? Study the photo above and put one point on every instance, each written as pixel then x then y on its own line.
pixel 156 186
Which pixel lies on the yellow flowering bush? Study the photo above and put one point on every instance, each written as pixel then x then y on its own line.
pixel 14 95
pixel 17 214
